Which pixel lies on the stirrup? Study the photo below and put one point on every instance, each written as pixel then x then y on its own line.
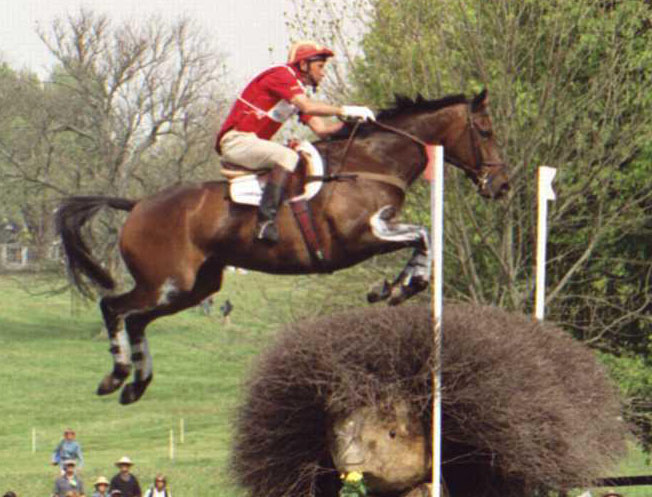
pixel 266 231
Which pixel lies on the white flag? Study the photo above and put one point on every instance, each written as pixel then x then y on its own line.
pixel 546 175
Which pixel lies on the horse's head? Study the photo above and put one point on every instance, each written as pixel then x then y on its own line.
pixel 472 148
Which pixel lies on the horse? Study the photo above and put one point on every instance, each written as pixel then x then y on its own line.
pixel 177 242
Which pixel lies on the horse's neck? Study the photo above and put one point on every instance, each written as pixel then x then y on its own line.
pixel 433 128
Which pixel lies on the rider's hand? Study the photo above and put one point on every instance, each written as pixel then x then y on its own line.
pixel 358 112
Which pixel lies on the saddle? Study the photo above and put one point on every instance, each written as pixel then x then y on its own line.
pixel 246 185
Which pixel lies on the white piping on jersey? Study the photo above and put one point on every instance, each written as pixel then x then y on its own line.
pixel 283 109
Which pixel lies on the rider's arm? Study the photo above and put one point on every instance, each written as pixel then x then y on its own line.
pixel 324 127
pixel 315 107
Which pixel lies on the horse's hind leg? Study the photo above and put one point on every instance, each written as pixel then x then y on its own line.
pixel 140 356
pixel 114 309
pixel 208 282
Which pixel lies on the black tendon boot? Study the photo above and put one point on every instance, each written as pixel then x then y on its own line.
pixel 266 229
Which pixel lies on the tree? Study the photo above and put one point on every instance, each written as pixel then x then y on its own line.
pixel 569 84
pixel 128 109
pixel 138 92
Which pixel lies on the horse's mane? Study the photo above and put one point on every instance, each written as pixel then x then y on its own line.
pixel 406 105
pixel 403 105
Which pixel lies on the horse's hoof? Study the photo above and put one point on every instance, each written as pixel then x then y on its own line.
pixel 378 292
pixel 109 384
pixel 134 391
pixel 403 292
pixel 398 296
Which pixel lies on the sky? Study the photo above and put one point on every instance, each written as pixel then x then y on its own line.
pixel 245 30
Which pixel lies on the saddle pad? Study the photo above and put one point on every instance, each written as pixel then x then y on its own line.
pixel 248 189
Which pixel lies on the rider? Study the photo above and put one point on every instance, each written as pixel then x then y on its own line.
pixel 260 110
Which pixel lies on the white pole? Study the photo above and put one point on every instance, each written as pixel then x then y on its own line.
pixel 437 237
pixel 33 440
pixel 171 445
pixel 181 431
pixel 544 193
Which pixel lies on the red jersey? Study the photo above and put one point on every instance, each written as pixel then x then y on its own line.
pixel 264 105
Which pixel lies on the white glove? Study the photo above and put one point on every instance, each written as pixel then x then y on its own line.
pixel 357 112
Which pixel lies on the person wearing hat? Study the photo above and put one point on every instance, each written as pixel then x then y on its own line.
pixel 101 487
pixel 270 99
pixel 69 481
pixel 124 480
pixel 68 448
pixel 160 487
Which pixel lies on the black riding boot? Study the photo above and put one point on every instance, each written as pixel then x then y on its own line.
pixel 266 229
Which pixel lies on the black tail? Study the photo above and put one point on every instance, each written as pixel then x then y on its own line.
pixel 70 217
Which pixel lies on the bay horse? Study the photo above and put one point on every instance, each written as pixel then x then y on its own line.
pixel 176 243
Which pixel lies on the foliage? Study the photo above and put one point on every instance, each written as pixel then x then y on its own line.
pixel 634 377
pixel 569 84
pixel 569 87
pixel 128 109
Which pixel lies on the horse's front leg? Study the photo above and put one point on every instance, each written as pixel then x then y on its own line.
pixel 415 277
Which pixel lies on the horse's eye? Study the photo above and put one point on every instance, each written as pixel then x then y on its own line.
pixel 392 433
pixel 485 133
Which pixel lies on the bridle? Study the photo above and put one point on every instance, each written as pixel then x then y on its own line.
pixel 481 173
pixel 482 170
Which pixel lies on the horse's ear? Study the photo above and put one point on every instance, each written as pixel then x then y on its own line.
pixel 480 101
pixel 400 100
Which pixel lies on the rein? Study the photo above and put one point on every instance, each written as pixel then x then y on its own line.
pixel 481 177
pixel 382 178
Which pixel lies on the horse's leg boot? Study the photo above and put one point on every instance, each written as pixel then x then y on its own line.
pixel 266 229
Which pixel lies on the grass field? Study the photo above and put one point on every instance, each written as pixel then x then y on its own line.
pixel 54 353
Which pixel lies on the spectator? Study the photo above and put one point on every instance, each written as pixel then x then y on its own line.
pixel 68 481
pixel 124 480
pixel 160 488
pixel 101 487
pixel 67 449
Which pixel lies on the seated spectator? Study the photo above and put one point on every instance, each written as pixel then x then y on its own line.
pixel 68 448
pixel 68 481
pixel 160 488
pixel 124 480
pixel 101 487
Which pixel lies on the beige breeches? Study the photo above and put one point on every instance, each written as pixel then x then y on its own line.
pixel 246 149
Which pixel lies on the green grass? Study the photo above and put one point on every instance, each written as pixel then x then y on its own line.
pixel 54 352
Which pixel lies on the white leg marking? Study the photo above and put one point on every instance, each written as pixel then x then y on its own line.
pixel 143 366
pixel 121 342
pixel 393 232
pixel 167 288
